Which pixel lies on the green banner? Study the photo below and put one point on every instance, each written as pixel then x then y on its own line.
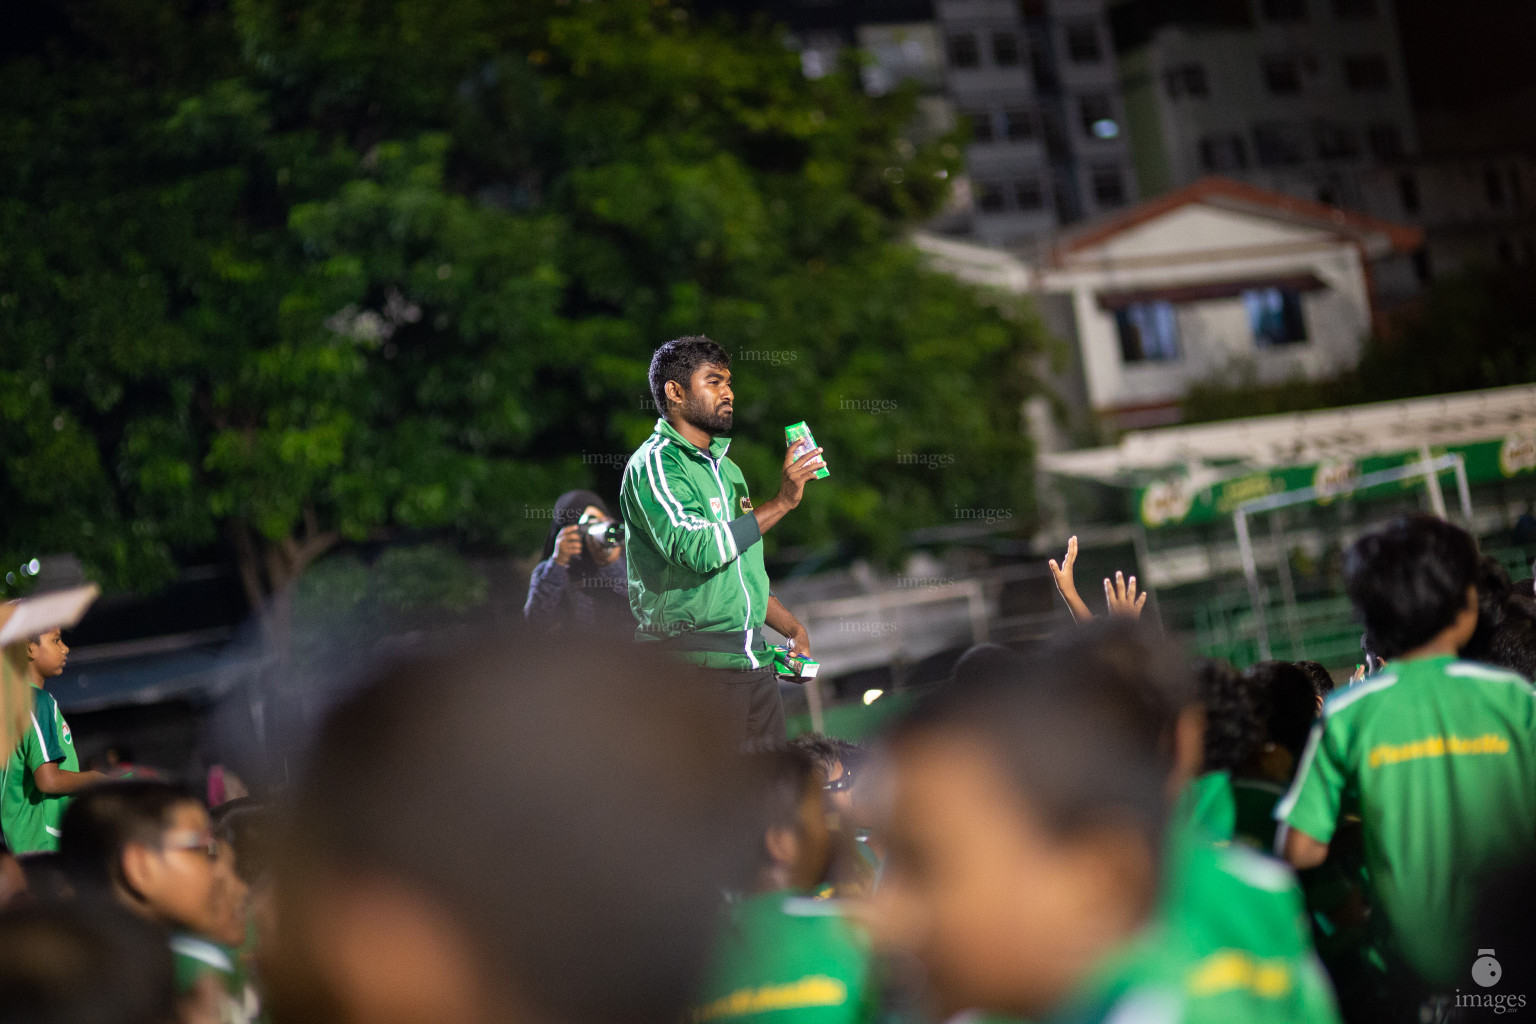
pixel 1176 501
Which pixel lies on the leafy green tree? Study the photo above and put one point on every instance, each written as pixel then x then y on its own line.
pixel 286 274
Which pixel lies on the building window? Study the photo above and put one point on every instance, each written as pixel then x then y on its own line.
pixel 990 197
pixel 1098 117
pixel 1282 75
pixel 1408 192
pixel 1223 152
pixel 1108 185
pixel 980 123
pixel 1493 185
pixel 1386 141
pixel 1028 194
pixel 1083 45
pixel 1354 8
pixel 1334 141
pixel 1367 73
pixel 1188 80
pixel 1277 145
pixel 1149 332
pixel 963 51
pixel 1285 10
pixel 1019 124
pixel 1005 49
pixel 1275 316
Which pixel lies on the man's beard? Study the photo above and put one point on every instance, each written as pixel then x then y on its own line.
pixel 711 421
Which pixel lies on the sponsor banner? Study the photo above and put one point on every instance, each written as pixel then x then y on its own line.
pixel 1174 502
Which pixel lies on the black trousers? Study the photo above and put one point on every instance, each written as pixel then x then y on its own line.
pixel 752 702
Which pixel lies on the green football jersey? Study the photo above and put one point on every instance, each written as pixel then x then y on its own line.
pixel 1439 756
pixel 787 959
pixel 1207 803
pixel 1254 800
pixel 29 817
pixel 194 957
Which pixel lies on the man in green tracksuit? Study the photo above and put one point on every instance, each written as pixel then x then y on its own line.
pixel 696 576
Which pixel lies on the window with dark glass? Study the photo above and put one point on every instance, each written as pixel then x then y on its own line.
pixel 1493 186
pixel 1028 195
pixel 1083 45
pixel 1275 316
pixel 963 51
pixel 1386 141
pixel 1224 151
pixel 1108 185
pixel 1188 80
pixel 990 197
pixel 1284 10
pixel 1367 73
pixel 1019 124
pixel 1282 75
pixel 1408 192
pixel 1354 8
pixel 1277 145
pixel 1149 332
pixel 1098 117
pixel 1005 49
pixel 1335 141
pixel 980 122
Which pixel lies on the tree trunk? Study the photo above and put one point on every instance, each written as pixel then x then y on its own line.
pixel 269 571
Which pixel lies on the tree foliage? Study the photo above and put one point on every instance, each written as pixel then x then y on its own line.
pixel 280 274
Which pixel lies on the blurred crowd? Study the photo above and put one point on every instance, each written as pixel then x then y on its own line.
pixel 1097 828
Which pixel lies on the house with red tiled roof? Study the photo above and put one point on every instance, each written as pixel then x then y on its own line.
pixel 1216 278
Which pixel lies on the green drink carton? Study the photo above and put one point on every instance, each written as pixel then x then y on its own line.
pixel 798 436
pixel 792 666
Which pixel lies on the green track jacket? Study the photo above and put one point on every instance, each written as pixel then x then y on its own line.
pixel 691 542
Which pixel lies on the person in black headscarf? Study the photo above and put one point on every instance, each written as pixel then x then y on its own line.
pixel 582 582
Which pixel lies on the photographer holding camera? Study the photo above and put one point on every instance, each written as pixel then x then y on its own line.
pixel 582 582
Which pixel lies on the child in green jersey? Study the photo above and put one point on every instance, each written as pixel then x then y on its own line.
pixel 782 957
pixel 1436 754
pixel 43 771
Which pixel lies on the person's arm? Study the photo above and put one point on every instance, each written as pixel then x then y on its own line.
pixel 546 587
pixel 783 620
pixel 56 781
pixel 1121 596
pixel 1066 586
pixel 791 488
pixel 1309 811
pixel 661 504
pixel 1302 850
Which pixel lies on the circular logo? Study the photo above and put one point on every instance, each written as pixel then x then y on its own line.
pixel 1485 969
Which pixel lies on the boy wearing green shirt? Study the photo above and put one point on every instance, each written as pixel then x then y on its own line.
pixel 783 957
pixel 43 771
pixel 1436 754
pixel 1029 870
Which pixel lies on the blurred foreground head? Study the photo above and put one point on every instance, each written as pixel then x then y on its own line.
pixel 539 832
pixel 83 962
pixel 1024 819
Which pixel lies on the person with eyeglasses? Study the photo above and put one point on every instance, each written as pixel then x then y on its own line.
pixel 150 847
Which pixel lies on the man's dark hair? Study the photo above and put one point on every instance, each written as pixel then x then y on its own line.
pixel 1322 680
pixel 679 359
pixel 780 778
pixel 576 808
pixel 1234 725
pixel 1409 580
pixel 986 659
pixel 1287 703
pixel 83 962
pixel 826 751
pixel 1071 732
pixel 105 819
